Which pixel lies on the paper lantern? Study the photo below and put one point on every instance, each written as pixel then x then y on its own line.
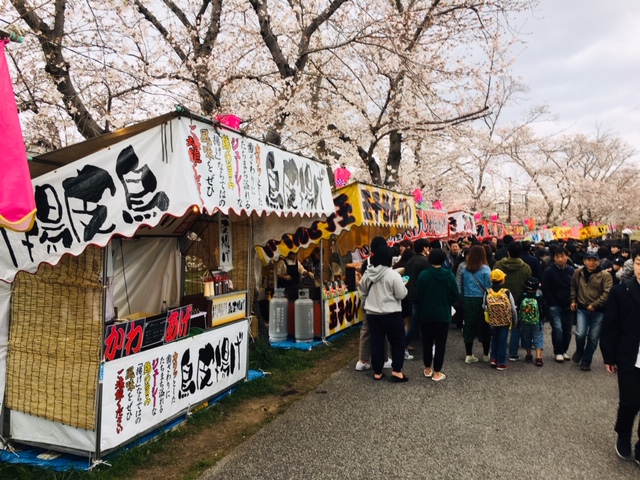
pixel 230 121
pixel 564 224
pixel 437 205
pixel 494 217
pixel 478 216
pixel 341 176
pixel 417 196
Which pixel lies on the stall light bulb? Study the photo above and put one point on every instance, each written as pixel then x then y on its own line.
pixel 195 209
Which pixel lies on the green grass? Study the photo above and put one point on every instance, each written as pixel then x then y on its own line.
pixel 282 366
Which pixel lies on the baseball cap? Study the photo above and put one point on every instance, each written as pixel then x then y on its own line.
pixel 497 275
pixel 531 284
pixel 591 255
pixel 618 261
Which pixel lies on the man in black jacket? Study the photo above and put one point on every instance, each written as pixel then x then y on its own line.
pixel 412 269
pixel 620 346
pixel 556 289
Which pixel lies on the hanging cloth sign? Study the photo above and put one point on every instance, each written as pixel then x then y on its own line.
pixel 17 202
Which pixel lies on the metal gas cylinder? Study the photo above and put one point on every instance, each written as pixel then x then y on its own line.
pixel 303 308
pixel 278 316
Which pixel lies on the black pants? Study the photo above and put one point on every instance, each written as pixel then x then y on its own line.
pixel 391 326
pixel 629 388
pixel 434 333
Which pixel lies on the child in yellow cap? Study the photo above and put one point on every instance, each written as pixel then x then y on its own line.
pixel 500 313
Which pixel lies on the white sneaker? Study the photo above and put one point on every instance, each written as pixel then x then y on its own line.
pixel 471 359
pixel 387 364
pixel 560 358
pixel 360 366
pixel 407 355
pixel 566 356
pixel 485 358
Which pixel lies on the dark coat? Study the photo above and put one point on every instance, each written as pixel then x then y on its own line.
pixel 556 286
pixel 620 335
pixel 416 265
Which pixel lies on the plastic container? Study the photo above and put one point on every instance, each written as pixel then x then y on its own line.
pixel 278 316
pixel 303 308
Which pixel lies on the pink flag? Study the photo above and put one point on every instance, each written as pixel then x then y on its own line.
pixel 341 176
pixel 231 121
pixel 417 196
pixel 17 203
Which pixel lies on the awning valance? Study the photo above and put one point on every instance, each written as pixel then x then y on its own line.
pixel 356 204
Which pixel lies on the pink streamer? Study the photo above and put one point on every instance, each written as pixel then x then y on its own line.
pixel 17 203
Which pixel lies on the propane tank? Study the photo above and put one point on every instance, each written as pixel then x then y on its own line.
pixel 278 316
pixel 303 308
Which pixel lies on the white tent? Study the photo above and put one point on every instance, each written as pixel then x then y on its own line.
pixel 150 179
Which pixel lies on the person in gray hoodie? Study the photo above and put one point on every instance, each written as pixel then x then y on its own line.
pixel 382 290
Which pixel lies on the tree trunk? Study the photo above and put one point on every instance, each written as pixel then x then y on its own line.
pixel 393 159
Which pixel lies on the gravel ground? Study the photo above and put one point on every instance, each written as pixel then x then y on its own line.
pixel 554 422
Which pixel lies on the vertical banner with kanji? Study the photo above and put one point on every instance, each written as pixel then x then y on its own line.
pixel 226 252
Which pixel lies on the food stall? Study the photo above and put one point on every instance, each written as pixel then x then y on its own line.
pixel 461 224
pixel 491 229
pixel 362 212
pixel 126 306
pixel 515 230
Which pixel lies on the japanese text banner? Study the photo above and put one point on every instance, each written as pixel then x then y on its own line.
pixel 113 191
pixel 237 173
pixel 142 391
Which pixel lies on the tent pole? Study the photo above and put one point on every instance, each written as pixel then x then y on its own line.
pixel 105 279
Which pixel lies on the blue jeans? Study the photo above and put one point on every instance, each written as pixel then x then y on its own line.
pixel 499 344
pixel 561 319
pixel 532 336
pixel 514 341
pixel 588 334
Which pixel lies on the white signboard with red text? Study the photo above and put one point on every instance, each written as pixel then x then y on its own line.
pixel 142 391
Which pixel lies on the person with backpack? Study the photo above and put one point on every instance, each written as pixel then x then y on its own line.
pixel 517 272
pixel 501 315
pixel 474 282
pixel 620 346
pixel 531 317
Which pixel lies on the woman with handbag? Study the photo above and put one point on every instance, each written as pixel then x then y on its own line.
pixel 474 282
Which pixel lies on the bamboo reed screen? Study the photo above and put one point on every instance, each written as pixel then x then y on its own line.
pixel 55 340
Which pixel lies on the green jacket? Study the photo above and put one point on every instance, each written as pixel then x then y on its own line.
pixel 437 290
pixel 518 272
pixel 594 292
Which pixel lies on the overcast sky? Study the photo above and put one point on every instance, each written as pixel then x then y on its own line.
pixel 582 59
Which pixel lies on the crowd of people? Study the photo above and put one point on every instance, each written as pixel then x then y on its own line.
pixel 500 293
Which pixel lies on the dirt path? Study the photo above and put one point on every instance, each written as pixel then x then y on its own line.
pixel 202 447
